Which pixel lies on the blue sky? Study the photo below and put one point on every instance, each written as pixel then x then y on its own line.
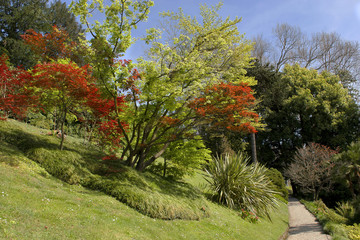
pixel 261 16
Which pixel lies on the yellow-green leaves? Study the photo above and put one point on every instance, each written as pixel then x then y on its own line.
pixel 120 17
pixel 195 53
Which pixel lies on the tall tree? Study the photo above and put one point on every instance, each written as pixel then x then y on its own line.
pixel 300 106
pixel 202 55
pixel 288 38
pixel 16 16
pixel 14 96
pixel 59 14
pixel 64 86
pixel 320 51
pixel 199 55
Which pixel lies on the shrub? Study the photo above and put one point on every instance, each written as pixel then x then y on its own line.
pixel 172 171
pixel 134 189
pixel 239 185
pixel 346 210
pixel 347 166
pixel 332 222
pixel 277 182
pixel 311 169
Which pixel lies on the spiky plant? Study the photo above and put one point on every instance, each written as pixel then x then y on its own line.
pixel 238 184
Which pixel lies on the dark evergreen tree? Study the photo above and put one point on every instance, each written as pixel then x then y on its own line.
pixel 17 16
pixel 58 14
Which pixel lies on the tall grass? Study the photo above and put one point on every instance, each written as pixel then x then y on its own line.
pixel 238 184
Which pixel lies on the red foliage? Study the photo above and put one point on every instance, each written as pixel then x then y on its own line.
pixel 111 133
pixel 53 45
pixel 129 88
pixel 74 86
pixel 69 79
pixel 109 158
pixel 15 98
pixel 169 121
pixel 101 107
pixel 228 106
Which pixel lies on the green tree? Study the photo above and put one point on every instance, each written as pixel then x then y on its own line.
pixel 199 55
pixel 59 14
pixel 300 106
pixel 273 142
pixel 184 157
pixel 16 16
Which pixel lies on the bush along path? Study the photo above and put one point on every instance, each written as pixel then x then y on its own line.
pixel 303 225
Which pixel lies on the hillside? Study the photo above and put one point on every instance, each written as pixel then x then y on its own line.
pixel 36 205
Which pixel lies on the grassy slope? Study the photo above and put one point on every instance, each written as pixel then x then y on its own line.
pixel 34 205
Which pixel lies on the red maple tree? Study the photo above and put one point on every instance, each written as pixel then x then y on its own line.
pixel 15 97
pixel 227 106
pixel 53 45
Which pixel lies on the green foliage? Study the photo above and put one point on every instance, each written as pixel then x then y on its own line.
pixel 332 222
pixel 59 14
pixel 346 210
pixel 313 105
pixel 17 16
pixel 239 185
pixel 64 165
pixel 353 232
pixel 141 192
pixel 171 170
pixel 277 182
pixel 39 120
pixel 183 158
pixel 348 167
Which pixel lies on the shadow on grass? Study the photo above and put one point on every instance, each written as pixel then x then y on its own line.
pixel 174 188
pixel 25 141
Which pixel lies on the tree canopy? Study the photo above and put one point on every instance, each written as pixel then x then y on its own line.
pixel 299 106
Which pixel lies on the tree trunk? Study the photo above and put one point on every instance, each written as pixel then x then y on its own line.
pixel 62 136
pixel 164 174
pixel 253 148
pixel 142 164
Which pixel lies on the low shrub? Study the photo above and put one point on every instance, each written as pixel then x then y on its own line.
pixel 353 231
pixel 346 210
pixel 332 222
pixel 172 172
pixel 64 165
pixel 249 216
pixel 176 201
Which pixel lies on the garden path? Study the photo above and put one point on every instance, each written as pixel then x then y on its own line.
pixel 303 225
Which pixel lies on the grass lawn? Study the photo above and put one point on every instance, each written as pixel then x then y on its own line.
pixel 35 205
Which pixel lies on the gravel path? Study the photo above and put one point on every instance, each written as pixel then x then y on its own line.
pixel 303 225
